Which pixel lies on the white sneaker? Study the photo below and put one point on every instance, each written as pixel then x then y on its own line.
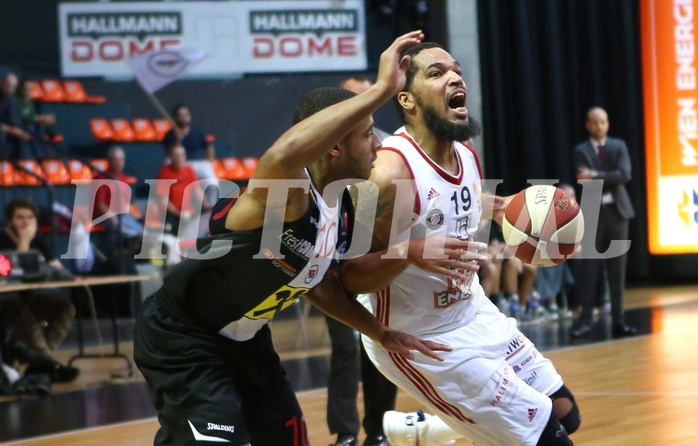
pixel 409 429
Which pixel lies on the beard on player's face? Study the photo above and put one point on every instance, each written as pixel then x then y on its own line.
pixel 446 130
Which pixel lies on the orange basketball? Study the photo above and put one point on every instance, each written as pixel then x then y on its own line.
pixel 542 225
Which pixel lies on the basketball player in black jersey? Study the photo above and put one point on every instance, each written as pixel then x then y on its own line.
pixel 203 342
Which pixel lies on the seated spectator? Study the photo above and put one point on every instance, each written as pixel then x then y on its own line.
pixel 123 218
pixel 200 152
pixel 38 125
pixel 40 319
pixel 180 215
pixel 10 125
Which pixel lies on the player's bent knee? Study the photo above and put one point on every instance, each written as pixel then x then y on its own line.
pixel 572 419
pixel 554 434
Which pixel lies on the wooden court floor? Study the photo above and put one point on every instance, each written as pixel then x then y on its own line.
pixel 635 391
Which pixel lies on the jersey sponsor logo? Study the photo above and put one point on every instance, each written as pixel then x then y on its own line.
pixel 530 379
pixel 280 300
pixel 311 273
pixel 505 387
pixel 435 219
pixel 280 263
pixel 516 345
pixel 532 414
pixel 299 245
pixel 462 228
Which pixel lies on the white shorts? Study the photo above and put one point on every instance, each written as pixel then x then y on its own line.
pixel 493 387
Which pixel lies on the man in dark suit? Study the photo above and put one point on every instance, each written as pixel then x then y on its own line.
pixel 607 159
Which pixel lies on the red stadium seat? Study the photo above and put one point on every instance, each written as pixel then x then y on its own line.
pixel 218 169
pixel 55 171
pixel 234 170
pixel 75 92
pixel 78 170
pixel 101 129
pixel 25 179
pixel 161 127
pixel 144 130
pixel 100 164
pixel 7 173
pixel 122 130
pixel 37 93
pixel 53 91
pixel 250 164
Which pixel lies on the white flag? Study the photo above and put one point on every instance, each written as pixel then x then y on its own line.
pixel 155 69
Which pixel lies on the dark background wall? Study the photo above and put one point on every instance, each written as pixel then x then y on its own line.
pixel 544 63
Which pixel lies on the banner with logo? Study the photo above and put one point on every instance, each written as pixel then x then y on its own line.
pixel 262 36
pixel 671 123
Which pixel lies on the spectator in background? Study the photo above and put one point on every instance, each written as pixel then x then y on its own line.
pixel 180 208
pixel 38 125
pixel 10 124
pixel 605 158
pixel 123 219
pixel 200 152
pixel 40 319
pixel 379 393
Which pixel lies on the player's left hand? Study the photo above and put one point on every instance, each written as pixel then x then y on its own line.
pixel 403 343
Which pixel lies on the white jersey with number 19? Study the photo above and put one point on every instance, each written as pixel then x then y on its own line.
pixel 420 302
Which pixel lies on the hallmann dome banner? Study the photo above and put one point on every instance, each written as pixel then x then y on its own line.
pixel 97 39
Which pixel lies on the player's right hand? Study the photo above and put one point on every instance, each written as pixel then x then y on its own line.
pixel 403 344
pixel 392 68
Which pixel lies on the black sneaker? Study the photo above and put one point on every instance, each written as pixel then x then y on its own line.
pixel 346 440
pixel 57 372
pixel 376 440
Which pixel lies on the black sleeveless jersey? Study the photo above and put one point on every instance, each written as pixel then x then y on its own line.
pixel 232 292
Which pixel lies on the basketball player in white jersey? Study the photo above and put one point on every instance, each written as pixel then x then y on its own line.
pixel 494 387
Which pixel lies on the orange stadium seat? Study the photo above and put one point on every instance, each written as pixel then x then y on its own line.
pixel 55 171
pixel 25 179
pixel 234 170
pixel 7 173
pixel 53 91
pixel 161 127
pixel 218 169
pixel 100 164
pixel 122 130
pixel 144 130
pixel 210 139
pixel 101 130
pixel 250 164
pixel 78 170
pixel 37 93
pixel 75 92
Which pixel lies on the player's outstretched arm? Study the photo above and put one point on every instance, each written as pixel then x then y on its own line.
pixel 310 139
pixel 330 298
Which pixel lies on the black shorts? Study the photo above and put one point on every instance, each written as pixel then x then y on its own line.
pixel 206 386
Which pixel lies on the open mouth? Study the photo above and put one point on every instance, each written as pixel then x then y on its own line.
pixel 457 102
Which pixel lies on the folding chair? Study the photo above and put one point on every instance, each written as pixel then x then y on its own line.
pixel 250 164
pixel 24 179
pixel 7 173
pixel 78 170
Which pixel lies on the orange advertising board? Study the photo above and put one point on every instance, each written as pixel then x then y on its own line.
pixel 670 85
